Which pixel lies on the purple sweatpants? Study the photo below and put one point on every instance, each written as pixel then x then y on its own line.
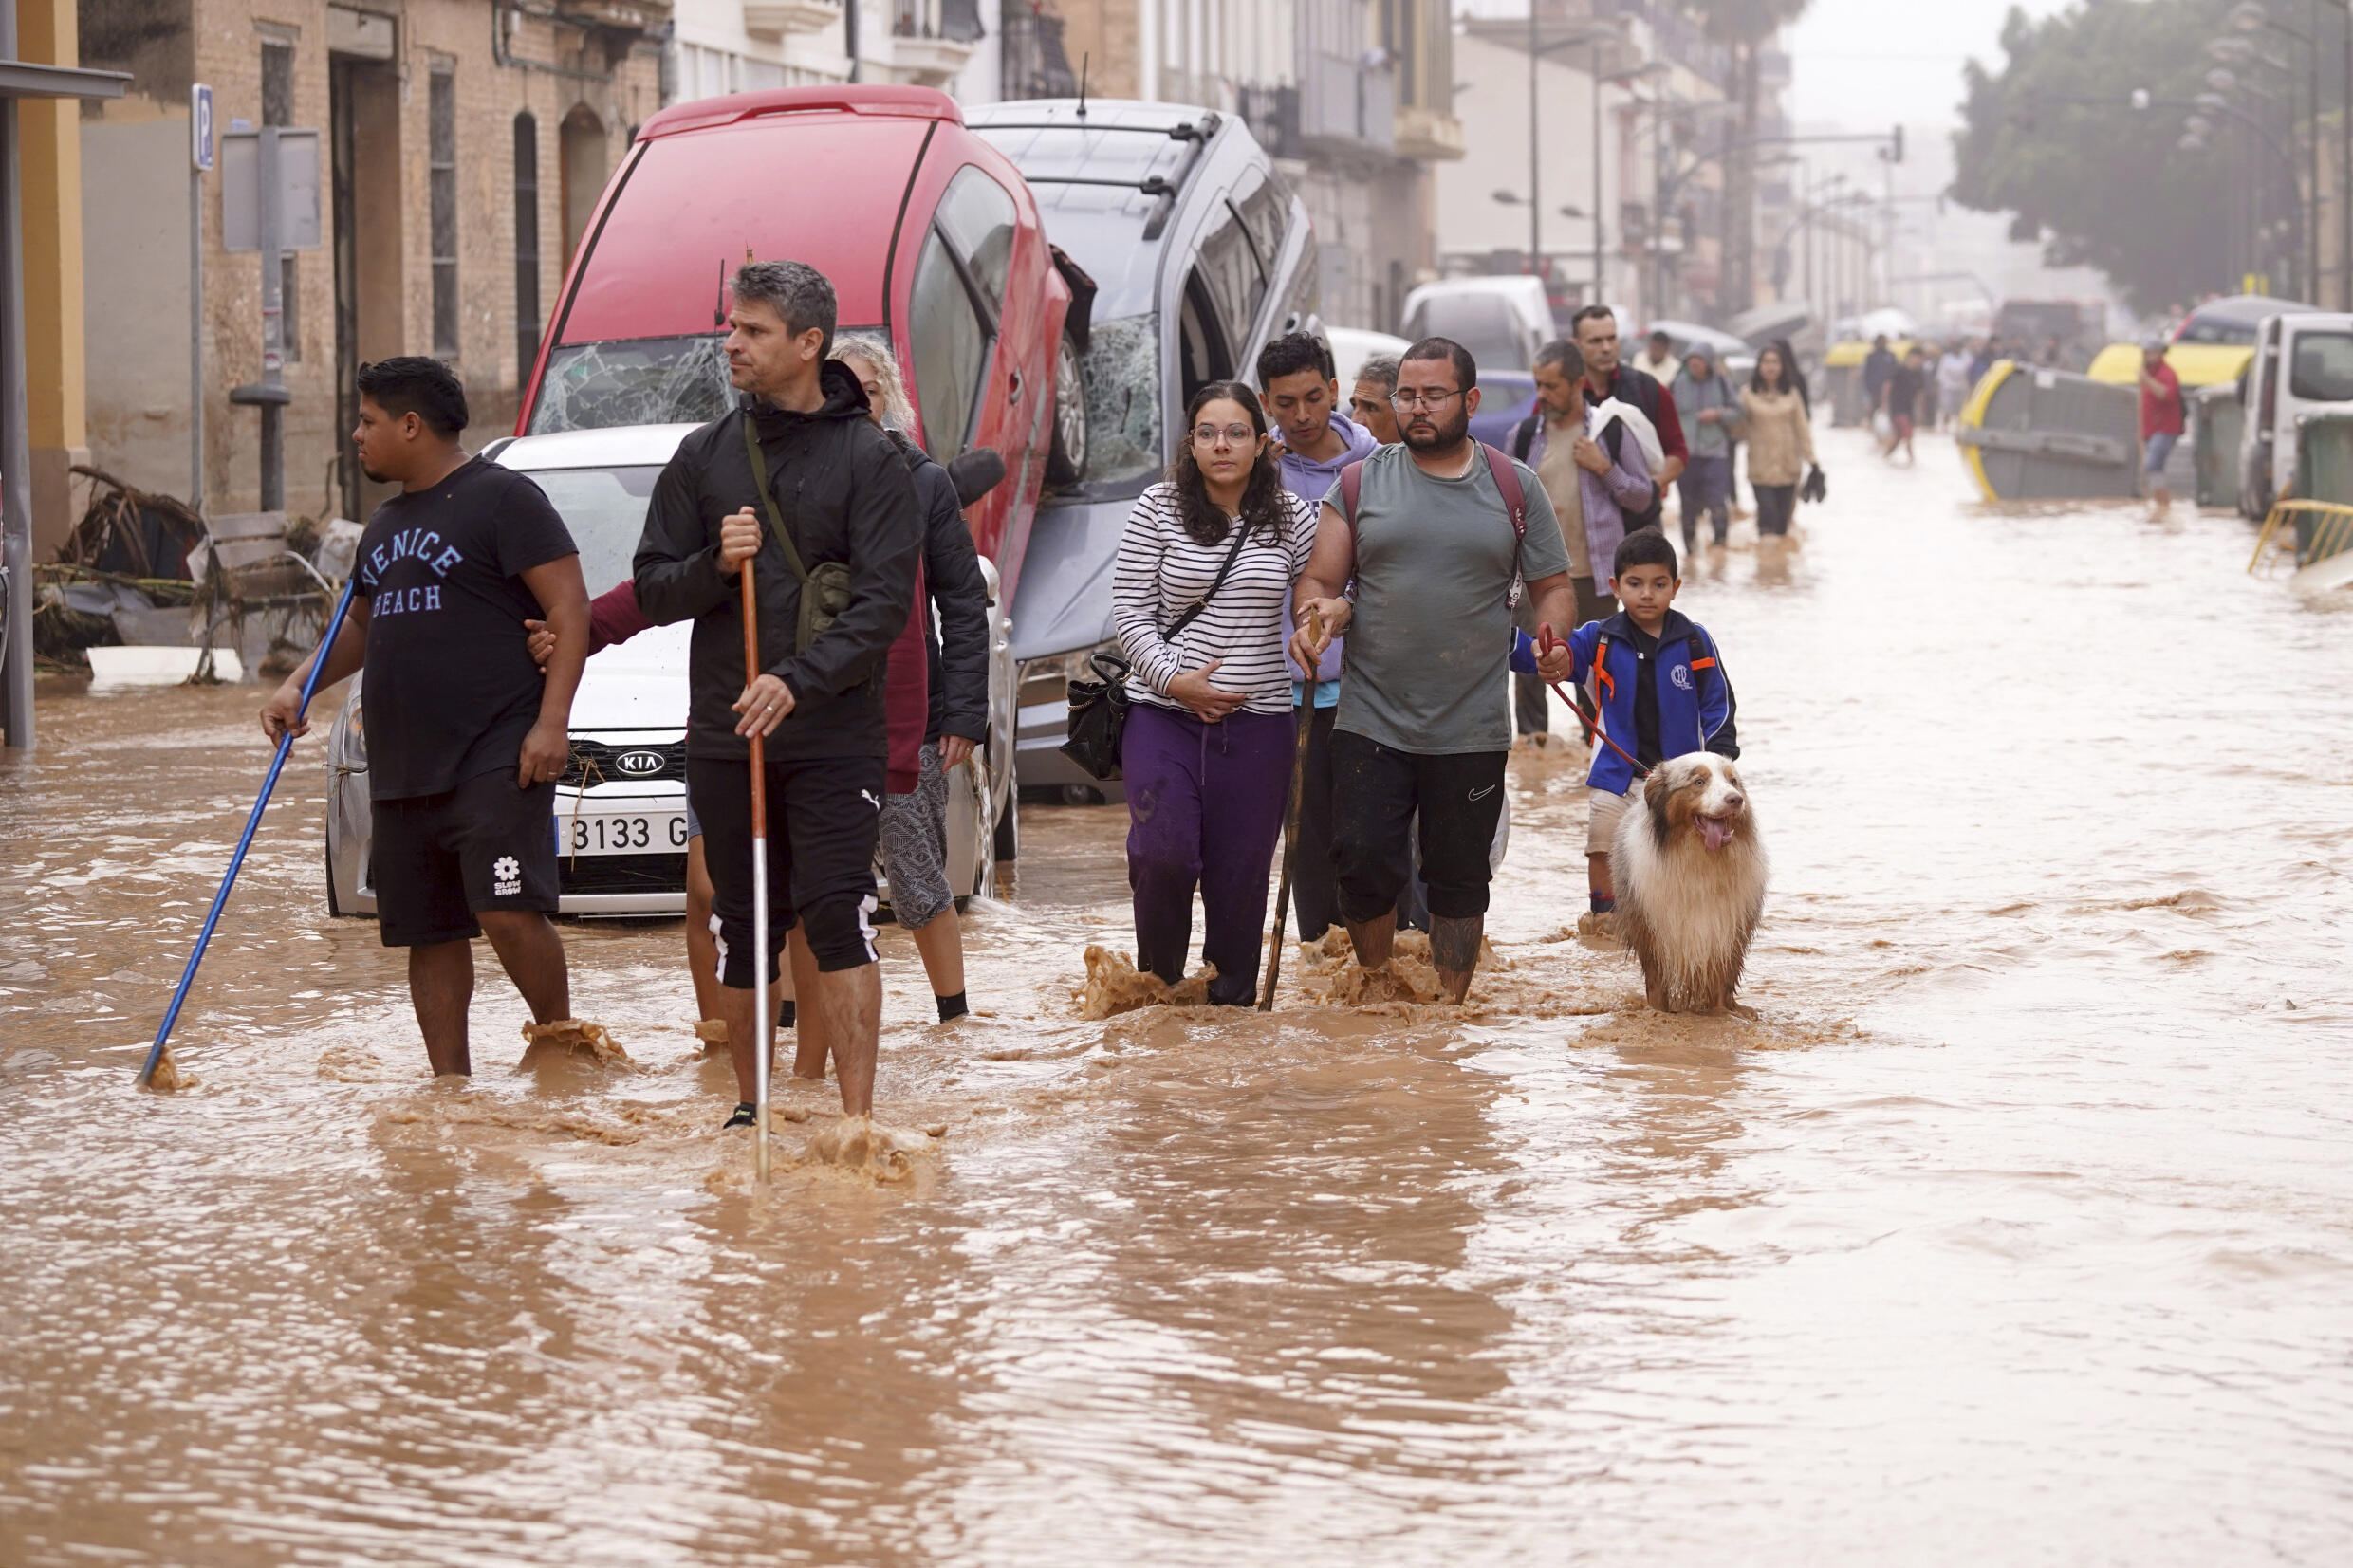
pixel 1205 808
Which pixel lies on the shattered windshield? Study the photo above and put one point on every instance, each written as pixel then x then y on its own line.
pixel 1123 406
pixel 638 382
pixel 633 382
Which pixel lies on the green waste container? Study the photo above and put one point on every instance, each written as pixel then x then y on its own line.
pixel 2221 418
pixel 2325 458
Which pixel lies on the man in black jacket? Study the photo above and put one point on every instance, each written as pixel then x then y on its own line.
pixel 838 489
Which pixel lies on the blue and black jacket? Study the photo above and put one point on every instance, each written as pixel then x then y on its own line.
pixel 1695 702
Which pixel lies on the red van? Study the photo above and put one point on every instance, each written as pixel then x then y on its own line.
pixel 928 233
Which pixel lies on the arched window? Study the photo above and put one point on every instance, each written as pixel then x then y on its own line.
pixel 526 244
pixel 582 136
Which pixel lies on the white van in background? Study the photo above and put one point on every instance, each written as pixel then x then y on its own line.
pixel 2303 366
pixel 1502 320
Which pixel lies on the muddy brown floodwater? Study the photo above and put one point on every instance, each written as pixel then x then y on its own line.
pixel 2018 1229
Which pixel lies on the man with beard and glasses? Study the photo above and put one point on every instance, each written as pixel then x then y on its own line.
pixel 1425 532
pixel 466 738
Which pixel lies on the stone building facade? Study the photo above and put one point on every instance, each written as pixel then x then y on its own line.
pixel 463 148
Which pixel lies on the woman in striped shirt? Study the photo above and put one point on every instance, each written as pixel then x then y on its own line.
pixel 1197 594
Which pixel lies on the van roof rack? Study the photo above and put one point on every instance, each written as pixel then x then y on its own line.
pixel 1200 132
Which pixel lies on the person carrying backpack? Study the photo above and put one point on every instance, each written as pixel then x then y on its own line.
pixel 1663 687
pixel 1596 473
pixel 1441 538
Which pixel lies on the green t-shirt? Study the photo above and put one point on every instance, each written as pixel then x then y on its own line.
pixel 1430 647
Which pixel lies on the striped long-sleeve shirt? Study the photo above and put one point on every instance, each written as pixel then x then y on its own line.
pixel 1161 573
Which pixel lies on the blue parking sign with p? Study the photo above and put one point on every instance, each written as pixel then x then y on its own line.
pixel 200 127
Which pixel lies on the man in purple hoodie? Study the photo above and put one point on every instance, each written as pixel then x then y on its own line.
pixel 1298 384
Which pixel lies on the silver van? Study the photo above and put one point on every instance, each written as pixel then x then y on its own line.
pixel 2303 366
pixel 1199 254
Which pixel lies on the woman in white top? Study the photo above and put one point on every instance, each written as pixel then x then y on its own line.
pixel 1197 594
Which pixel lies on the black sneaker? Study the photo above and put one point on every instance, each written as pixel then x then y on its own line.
pixel 747 1114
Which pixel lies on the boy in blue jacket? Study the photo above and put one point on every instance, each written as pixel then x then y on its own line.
pixel 1660 686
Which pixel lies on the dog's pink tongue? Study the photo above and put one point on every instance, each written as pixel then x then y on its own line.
pixel 1714 832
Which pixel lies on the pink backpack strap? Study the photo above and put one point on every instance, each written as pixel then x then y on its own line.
pixel 1508 481
pixel 1351 489
pixel 1514 502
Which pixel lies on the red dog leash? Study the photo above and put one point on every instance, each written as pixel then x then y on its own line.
pixel 1546 642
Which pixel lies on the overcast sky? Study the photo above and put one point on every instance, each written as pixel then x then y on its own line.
pixel 1871 63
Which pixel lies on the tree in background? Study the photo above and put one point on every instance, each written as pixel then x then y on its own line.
pixel 1745 27
pixel 2055 140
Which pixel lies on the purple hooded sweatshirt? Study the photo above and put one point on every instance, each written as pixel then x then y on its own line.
pixel 1311 481
pixel 1627 487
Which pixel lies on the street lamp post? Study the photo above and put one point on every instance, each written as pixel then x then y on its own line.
pixel 1537 48
pixel 2252 16
pixel 2216 104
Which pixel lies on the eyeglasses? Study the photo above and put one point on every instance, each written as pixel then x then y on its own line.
pixel 1236 436
pixel 1433 400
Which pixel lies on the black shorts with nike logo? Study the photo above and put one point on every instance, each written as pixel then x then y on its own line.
pixel 1375 790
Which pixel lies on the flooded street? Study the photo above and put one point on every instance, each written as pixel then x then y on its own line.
pixel 2018 1229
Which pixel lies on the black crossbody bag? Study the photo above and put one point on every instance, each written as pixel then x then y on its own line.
pixel 1098 706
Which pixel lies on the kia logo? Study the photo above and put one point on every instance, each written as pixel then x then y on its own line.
pixel 638 764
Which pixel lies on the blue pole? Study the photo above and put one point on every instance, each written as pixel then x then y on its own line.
pixel 220 899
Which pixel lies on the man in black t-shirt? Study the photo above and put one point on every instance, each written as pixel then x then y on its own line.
pixel 465 737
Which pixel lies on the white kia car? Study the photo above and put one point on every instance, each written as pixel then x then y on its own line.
pixel 621 808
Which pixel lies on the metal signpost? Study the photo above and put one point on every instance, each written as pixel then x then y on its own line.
pixel 269 203
pixel 199 164
pixel 22 79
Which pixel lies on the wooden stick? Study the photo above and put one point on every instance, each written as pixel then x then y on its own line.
pixel 1291 827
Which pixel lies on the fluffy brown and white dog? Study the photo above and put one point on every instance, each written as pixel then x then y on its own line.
pixel 1690 876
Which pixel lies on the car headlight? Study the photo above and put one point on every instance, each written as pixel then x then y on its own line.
pixel 1048 679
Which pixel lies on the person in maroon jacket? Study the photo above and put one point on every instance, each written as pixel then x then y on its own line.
pixel 1595 332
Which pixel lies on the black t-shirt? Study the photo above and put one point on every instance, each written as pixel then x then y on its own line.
pixel 1646 746
pixel 450 687
pixel 1903 389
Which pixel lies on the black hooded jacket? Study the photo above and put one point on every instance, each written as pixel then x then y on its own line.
pixel 845 495
pixel 958 649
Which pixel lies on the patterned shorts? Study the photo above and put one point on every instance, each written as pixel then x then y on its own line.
pixel 914 845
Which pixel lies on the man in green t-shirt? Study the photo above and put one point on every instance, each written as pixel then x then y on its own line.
pixel 1423 722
